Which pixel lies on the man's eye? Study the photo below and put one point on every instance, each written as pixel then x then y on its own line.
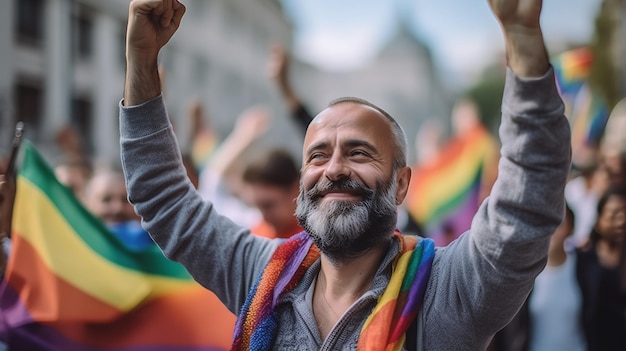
pixel 316 155
pixel 358 153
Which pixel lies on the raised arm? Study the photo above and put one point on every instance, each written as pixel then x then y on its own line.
pixel 219 254
pixel 278 70
pixel 483 277
pixel 151 24
pixel 525 48
pixel 250 126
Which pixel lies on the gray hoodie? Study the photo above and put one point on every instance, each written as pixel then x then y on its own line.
pixel 477 283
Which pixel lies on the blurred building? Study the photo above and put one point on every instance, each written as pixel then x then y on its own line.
pixel 62 63
pixel 401 79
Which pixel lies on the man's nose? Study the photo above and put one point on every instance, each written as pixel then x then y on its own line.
pixel 336 168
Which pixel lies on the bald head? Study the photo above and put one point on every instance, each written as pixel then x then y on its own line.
pixel 397 133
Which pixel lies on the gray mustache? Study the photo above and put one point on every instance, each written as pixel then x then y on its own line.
pixel 350 185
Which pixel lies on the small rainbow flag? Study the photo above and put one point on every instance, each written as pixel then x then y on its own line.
pixel 572 68
pixel 202 148
pixel 589 117
pixel 72 285
pixel 445 193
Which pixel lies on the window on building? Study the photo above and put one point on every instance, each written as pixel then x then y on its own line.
pixel 28 106
pixel 29 21
pixel 82 120
pixel 83 32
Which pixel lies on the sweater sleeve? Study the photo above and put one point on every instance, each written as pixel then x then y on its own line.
pixel 218 253
pixel 481 280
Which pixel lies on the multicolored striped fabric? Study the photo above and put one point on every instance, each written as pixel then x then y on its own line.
pixel 589 117
pixel 72 285
pixel 446 191
pixel 383 330
pixel 202 148
pixel 586 109
pixel 572 68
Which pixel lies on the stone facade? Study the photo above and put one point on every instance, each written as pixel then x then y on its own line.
pixel 68 68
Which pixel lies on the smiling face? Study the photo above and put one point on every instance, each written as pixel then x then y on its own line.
pixel 276 204
pixel 349 188
pixel 106 197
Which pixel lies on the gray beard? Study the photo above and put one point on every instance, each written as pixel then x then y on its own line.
pixel 344 230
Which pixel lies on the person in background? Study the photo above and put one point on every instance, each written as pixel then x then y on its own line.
pixel 203 138
pixel 582 192
pixel 605 167
pixel 105 197
pixel 326 288
pixel 613 163
pixel 550 319
pixel 273 179
pixel 221 179
pixel 74 173
pixel 555 304
pixel 450 180
pixel 74 166
pixel 613 146
pixel 601 272
pixel 278 71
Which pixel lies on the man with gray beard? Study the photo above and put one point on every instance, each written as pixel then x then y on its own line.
pixel 343 230
pixel 351 281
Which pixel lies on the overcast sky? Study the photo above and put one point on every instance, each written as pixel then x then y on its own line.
pixel 462 34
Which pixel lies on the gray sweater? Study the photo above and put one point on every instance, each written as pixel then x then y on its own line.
pixel 477 283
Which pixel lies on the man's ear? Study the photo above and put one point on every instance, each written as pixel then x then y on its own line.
pixel 403 177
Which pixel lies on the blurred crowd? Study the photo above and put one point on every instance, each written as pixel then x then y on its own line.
pixel 578 301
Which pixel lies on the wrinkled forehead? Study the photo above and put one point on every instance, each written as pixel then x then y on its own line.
pixel 351 119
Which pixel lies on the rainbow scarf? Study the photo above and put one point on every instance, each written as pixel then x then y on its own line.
pixel 384 329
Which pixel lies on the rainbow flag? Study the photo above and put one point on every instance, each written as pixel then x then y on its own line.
pixel 202 148
pixel 72 285
pixel 589 116
pixel 445 192
pixel 586 110
pixel 572 68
